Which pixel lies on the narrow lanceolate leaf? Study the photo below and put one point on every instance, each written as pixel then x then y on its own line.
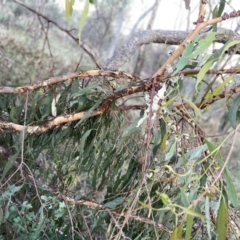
pixel 213 149
pixel 13 115
pixel 203 72
pixel 40 222
pixel 177 233
pixel 216 56
pixel 219 89
pixel 189 226
pixel 226 47
pixel 69 8
pixel 89 112
pixel 83 19
pixel 231 190
pixel 83 140
pixel 221 7
pixel 217 12
pixel 222 220
pixel 215 15
pixel 164 143
pixel 232 113
pixel 194 107
pixel 9 164
pixel 203 44
pixel 116 202
pixel 183 61
pixel 1 216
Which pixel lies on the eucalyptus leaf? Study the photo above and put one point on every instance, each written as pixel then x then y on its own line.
pixel 231 190
pixel 114 203
pixel 177 233
pixel 189 226
pixel 83 19
pixel 9 165
pixel 232 112
pixel 203 45
pixel 203 72
pixel 222 220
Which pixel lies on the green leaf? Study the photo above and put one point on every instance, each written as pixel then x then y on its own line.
pixel 189 225
pixel 226 47
pixel 69 8
pixel 83 140
pixel 203 44
pixel 217 12
pixel 113 204
pixel 231 190
pixel 203 72
pixel 83 19
pixel 165 199
pixel 194 107
pixel 40 225
pixel 213 149
pixel 221 7
pixel 232 113
pixel 1 216
pixel 89 112
pixel 12 189
pixel 216 56
pixel 219 89
pixel 172 151
pixel 222 220
pixel 9 164
pixel 183 61
pixel 13 115
pixel 215 15
pixel 177 233
pixel 164 143
pixel 196 153
pixel 84 91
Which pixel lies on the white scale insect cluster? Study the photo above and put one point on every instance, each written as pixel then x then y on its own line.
pixel 155 105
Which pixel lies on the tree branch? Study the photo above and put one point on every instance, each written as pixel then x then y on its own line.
pixel 167 37
pixel 67 77
pixel 105 105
